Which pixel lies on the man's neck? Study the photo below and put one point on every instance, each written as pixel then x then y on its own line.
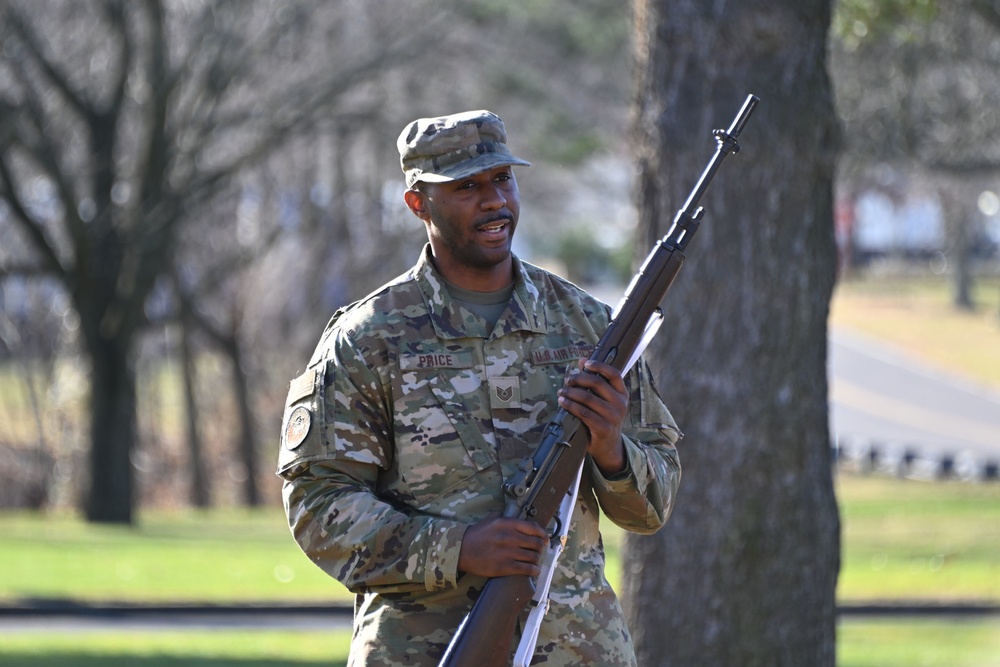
pixel 493 279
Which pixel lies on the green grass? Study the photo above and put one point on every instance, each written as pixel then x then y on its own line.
pixel 918 643
pixel 196 648
pixel 911 540
pixel 902 540
pixel 861 643
pixel 220 556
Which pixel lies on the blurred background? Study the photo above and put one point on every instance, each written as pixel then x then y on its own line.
pixel 189 189
pixel 266 193
pixel 262 192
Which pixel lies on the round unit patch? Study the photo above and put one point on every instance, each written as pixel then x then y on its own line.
pixel 298 427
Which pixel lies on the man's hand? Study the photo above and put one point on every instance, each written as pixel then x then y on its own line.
pixel 598 398
pixel 498 547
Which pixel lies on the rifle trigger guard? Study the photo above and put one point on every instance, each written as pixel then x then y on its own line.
pixel 556 531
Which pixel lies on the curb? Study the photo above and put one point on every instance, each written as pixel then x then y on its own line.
pixel 902 460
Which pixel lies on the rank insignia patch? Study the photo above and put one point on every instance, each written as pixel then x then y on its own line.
pixel 505 392
pixel 298 426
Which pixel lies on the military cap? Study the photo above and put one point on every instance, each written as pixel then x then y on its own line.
pixel 446 148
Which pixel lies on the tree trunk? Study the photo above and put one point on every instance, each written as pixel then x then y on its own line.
pixel 963 266
pixel 744 575
pixel 958 214
pixel 200 494
pixel 112 432
pixel 246 442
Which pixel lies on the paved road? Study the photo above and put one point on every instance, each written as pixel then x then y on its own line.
pixel 906 411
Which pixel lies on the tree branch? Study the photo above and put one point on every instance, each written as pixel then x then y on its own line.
pixel 23 219
pixel 61 83
pixel 114 11
pixel 46 154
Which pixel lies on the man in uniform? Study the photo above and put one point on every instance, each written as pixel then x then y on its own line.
pixel 421 399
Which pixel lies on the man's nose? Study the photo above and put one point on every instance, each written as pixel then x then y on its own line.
pixel 493 198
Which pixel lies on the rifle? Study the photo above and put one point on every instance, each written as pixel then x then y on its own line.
pixel 536 492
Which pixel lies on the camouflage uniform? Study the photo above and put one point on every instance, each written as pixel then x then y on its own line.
pixel 408 419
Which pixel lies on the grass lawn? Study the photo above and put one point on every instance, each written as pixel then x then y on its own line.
pixel 196 648
pixel 861 643
pixel 903 540
pixel 912 540
pixel 222 556
pixel 919 643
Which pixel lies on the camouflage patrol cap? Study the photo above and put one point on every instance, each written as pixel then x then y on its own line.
pixel 446 148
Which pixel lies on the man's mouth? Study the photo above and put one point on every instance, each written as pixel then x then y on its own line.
pixel 496 227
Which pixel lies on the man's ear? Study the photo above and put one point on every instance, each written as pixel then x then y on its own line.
pixel 416 202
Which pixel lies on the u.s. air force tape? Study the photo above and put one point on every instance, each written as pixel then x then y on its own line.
pixel 297 427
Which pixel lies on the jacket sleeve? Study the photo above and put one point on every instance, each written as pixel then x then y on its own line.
pixel 641 498
pixel 336 438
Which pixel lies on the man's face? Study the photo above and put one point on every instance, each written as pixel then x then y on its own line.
pixel 470 223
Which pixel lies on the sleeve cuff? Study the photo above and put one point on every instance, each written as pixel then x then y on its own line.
pixel 441 564
pixel 625 481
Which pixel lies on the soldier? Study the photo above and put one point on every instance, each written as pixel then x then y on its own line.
pixel 421 399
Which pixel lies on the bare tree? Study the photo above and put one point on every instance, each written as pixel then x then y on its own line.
pixel 135 115
pixel 127 128
pixel 916 88
pixel 744 574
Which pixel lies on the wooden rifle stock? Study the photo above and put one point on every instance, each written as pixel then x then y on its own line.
pixel 485 637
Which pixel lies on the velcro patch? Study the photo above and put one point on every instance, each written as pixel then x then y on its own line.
pixel 505 392
pixel 432 360
pixel 546 355
pixel 302 386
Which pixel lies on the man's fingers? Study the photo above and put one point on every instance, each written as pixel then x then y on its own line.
pixel 611 374
pixel 606 384
pixel 607 372
pixel 532 530
pixel 602 402
pixel 497 547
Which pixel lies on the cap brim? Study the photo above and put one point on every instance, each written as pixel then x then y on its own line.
pixel 469 168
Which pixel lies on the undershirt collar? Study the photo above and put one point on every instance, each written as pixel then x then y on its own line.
pixel 488 305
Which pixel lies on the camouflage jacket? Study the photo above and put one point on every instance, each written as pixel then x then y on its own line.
pixel 404 426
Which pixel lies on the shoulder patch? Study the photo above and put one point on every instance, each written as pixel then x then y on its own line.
pixel 297 428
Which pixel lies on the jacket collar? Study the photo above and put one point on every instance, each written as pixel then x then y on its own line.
pixel 525 310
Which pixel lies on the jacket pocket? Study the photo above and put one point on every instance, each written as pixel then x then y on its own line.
pixel 439 445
